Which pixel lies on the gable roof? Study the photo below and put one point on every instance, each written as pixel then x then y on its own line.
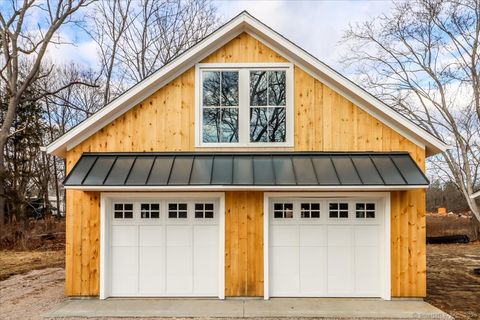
pixel 244 22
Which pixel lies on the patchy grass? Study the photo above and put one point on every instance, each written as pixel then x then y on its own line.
pixel 451 284
pixel 18 262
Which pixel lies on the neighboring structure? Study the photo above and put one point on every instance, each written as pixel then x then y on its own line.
pixel 246 167
pixel 475 195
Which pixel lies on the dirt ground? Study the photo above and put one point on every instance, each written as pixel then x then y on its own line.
pixel 28 296
pixel 19 262
pixel 452 286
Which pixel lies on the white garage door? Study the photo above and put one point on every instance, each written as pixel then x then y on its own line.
pixel 164 248
pixel 325 248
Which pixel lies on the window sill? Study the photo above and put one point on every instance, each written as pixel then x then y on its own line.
pixel 246 145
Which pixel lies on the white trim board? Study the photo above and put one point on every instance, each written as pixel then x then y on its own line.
pixel 382 197
pixel 106 199
pixel 246 187
pixel 244 22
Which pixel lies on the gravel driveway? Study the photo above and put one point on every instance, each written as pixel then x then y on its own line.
pixel 28 296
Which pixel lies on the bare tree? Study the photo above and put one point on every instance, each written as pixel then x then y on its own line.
pixel 106 24
pixel 21 41
pixel 160 30
pixel 423 60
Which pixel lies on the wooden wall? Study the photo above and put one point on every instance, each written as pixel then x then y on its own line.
pixel 243 244
pixel 324 121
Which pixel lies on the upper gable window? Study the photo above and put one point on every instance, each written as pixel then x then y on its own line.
pixel 245 105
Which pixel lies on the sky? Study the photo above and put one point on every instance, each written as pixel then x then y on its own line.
pixel 316 26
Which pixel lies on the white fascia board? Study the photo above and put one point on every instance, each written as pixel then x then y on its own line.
pixel 243 188
pixel 475 194
pixel 344 85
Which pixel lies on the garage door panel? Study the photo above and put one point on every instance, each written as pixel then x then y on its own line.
pixel 124 279
pixel 367 269
pixel 205 270
pixel 341 285
pixel 152 270
pixel 282 235
pixel 340 270
pixel 205 236
pixel 152 236
pixel 313 270
pixel 340 261
pixel 367 285
pixel 163 256
pixel 179 236
pixel 179 273
pixel 340 235
pixel 124 235
pixel 313 235
pixel 366 235
pixel 205 261
pixel 285 260
pixel 327 256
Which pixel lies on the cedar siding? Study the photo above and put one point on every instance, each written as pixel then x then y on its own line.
pixel 324 121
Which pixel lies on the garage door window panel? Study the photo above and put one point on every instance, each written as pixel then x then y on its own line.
pixel 283 211
pixel 150 211
pixel 178 211
pixel 123 211
pixel 338 210
pixel 310 210
pixel 365 210
pixel 204 211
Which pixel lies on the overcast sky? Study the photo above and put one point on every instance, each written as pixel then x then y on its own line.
pixel 316 26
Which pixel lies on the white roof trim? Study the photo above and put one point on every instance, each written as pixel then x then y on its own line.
pixel 238 188
pixel 475 194
pixel 244 22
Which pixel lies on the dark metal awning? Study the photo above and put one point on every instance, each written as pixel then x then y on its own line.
pixel 276 170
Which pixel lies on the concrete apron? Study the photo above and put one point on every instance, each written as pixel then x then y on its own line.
pixel 250 308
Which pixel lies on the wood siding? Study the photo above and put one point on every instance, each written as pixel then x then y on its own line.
pixel 243 244
pixel 324 121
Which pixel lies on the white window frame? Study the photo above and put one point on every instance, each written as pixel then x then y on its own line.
pixel 244 103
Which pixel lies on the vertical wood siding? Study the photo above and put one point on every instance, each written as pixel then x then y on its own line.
pixel 324 121
pixel 243 244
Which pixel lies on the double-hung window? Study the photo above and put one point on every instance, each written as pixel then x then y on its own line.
pixel 245 105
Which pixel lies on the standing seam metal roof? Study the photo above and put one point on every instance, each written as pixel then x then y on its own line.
pixel 243 169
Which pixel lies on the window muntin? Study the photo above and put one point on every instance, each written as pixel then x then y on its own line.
pixel 177 211
pixel 338 210
pixel 123 210
pixel 204 210
pixel 310 210
pixel 268 113
pixel 220 106
pixel 282 210
pixel 229 116
pixel 149 210
pixel 365 210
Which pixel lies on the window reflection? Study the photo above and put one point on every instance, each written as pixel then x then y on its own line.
pixel 267 106
pixel 220 106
